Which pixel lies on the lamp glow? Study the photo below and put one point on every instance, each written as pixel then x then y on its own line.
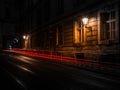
pixel 85 20
pixel 24 37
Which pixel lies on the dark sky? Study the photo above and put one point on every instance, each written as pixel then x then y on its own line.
pixel 16 10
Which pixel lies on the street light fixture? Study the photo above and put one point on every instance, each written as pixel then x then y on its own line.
pixel 85 20
pixel 24 36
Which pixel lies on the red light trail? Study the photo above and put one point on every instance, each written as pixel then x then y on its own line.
pixel 63 59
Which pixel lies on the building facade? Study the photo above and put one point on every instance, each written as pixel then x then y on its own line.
pixel 58 27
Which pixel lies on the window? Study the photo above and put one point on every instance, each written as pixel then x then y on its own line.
pixel 59 36
pixel 78 32
pixel 108 25
pixel 104 26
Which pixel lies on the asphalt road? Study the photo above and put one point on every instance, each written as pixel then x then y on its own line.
pixel 26 73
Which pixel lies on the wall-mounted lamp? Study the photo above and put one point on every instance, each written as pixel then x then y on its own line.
pixel 25 41
pixel 85 22
pixel 24 36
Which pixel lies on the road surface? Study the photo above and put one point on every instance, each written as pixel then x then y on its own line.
pixel 41 74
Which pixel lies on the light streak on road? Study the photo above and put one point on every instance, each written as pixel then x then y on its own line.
pixel 23 58
pixel 63 59
pixel 22 67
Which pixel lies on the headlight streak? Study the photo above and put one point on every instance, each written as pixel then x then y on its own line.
pixel 21 67
pixel 23 58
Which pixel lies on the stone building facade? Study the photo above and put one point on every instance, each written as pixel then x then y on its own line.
pixel 59 28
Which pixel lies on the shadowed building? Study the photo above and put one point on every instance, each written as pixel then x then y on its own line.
pixel 57 25
pixel 12 14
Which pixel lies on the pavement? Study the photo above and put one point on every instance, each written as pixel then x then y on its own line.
pixel 8 83
pixel 106 68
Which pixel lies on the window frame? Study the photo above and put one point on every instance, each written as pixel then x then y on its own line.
pixel 79 33
pixel 110 38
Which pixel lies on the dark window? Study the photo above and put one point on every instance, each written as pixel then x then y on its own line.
pixel 104 26
pixel 108 25
pixel 60 35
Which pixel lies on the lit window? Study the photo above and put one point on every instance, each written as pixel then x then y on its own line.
pixel 78 32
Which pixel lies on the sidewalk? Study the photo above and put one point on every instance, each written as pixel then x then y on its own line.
pixel 107 68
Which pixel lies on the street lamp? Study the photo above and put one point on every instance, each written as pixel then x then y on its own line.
pixel 24 36
pixel 85 20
